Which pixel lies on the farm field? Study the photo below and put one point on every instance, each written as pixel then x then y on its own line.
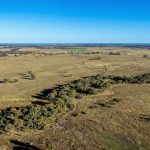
pixel 116 118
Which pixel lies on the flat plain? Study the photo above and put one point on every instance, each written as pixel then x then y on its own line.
pixel 91 125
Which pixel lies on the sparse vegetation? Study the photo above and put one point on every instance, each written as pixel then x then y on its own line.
pixel 117 114
pixel 107 104
pixel 75 50
pixel 114 53
pixel 15 52
pixel 29 76
pixel 8 81
pixel 3 54
pixel 95 58
pixel 32 75
pixel 5 80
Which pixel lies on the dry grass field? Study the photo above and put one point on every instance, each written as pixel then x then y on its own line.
pixel 91 125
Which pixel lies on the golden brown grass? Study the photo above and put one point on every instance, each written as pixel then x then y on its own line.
pixel 116 127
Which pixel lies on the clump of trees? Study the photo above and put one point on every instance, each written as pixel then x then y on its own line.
pixel 92 85
pixel 139 79
pixel 30 117
pixel 3 54
pixel 114 53
pixel 15 52
pixel 37 116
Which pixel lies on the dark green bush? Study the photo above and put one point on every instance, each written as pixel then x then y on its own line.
pixel 143 78
pixel 79 96
pixel 29 117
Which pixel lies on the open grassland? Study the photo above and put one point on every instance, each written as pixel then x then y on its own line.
pixel 104 112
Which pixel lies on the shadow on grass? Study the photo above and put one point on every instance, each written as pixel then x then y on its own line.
pixel 145 118
pixel 43 94
pixel 40 102
pixel 23 146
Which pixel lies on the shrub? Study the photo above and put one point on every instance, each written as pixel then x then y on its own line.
pixel 14 81
pixel 145 56
pixel 32 75
pixel 5 80
pixel 52 96
pixel 79 96
pixel 92 91
pixel 29 117
pixel 70 106
pixel 144 78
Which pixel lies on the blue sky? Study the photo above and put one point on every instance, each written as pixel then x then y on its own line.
pixel 74 21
